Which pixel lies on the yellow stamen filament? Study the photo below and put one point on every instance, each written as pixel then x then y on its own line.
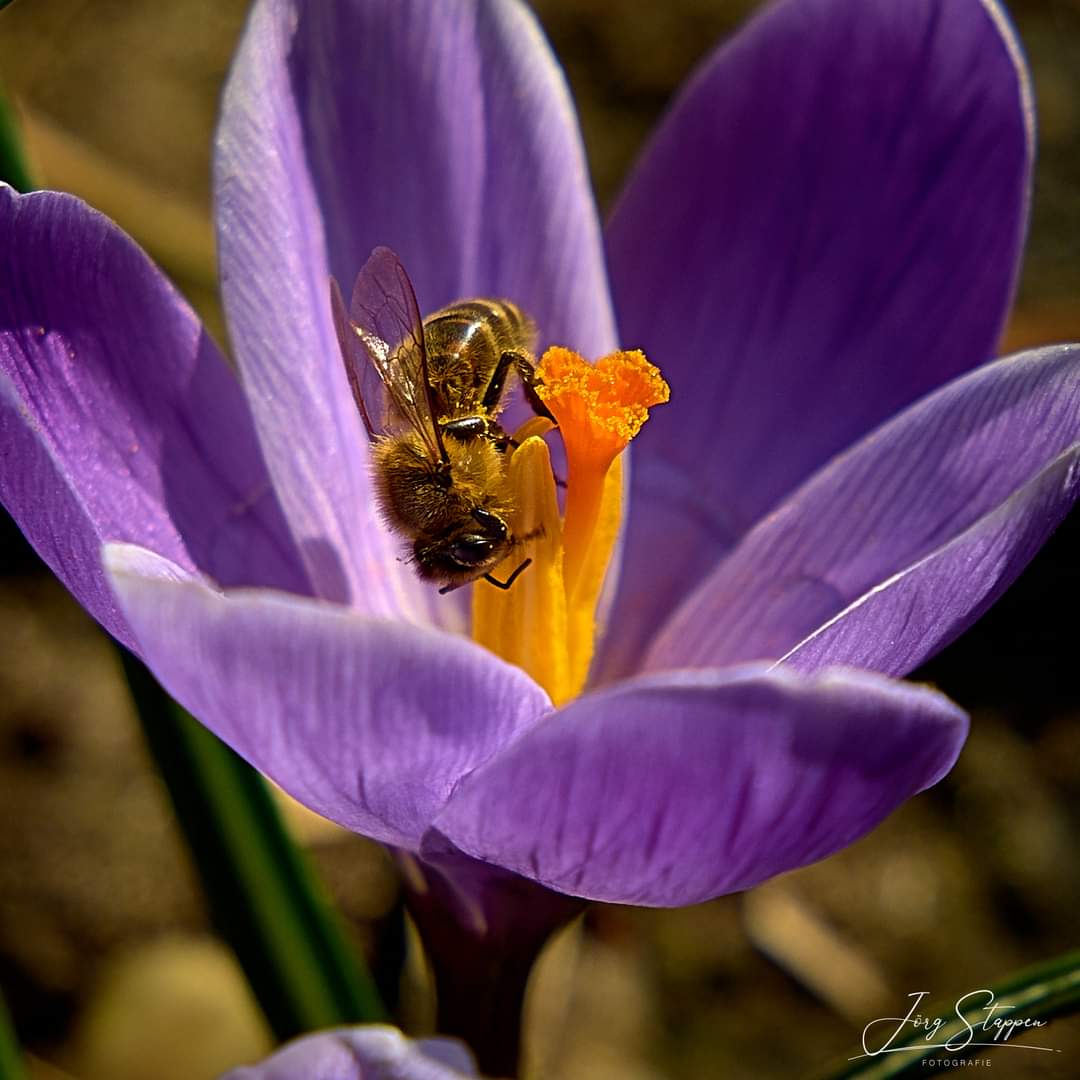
pixel 546 623
pixel 526 624
pixel 581 605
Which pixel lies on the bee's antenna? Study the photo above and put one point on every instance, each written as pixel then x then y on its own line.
pixel 491 580
pixel 511 579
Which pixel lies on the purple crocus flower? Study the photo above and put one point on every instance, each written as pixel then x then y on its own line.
pixel 362 1053
pixel 818 248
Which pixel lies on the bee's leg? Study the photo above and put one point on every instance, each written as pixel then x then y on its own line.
pixel 467 428
pixel 526 372
pixel 529 381
pixel 511 579
pixel 507 442
pixel 494 392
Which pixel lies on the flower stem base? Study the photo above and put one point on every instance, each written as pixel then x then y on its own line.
pixel 482 928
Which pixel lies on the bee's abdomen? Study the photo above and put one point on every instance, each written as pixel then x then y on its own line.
pixel 480 327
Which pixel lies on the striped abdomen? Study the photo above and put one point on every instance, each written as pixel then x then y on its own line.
pixel 465 344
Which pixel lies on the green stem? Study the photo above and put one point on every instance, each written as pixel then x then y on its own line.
pixel 482 929
pixel 11 1067
pixel 263 896
pixel 13 167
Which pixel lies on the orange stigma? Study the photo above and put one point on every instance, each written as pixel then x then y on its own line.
pixel 548 626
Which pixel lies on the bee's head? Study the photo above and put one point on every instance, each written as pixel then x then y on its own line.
pixel 479 543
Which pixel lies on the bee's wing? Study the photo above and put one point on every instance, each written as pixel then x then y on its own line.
pixel 383 346
pixel 357 366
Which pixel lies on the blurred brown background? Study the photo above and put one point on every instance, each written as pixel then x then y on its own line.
pixel 105 957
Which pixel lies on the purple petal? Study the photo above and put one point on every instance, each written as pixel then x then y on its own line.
pixel 679 788
pixel 897 625
pixel 368 722
pixel 275 286
pixel 826 226
pixel 446 132
pixel 931 517
pixel 118 417
pixel 443 131
pixel 363 1053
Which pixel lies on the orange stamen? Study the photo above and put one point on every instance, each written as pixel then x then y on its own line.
pixel 546 623
pixel 599 408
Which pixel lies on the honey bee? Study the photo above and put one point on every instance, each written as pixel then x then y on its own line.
pixel 429 392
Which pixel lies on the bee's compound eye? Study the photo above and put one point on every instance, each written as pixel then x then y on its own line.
pixel 471 550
